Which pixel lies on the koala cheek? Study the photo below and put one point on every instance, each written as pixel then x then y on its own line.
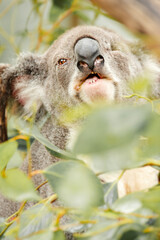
pixel 72 90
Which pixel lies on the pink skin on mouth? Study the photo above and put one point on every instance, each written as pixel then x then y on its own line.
pixel 98 89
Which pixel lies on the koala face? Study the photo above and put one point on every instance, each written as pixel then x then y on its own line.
pixel 85 64
pixel 90 64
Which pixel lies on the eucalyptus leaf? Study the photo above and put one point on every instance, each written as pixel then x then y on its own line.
pixel 133 202
pixel 25 128
pixel 2 226
pixel 150 143
pixel 59 235
pixel 75 184
pixel 140 85
pixel 147 236
pixel 128 204
pixel 63 3
pixel 123 157
pixel 38 218
pixel 7 150
pixel 15 161
pixel 17 186
pixel 55 12
pixel 110 193
pixel 112 127
pixel 151 199
pixel 130 234
pixel 11 233
pixel 45 234
pixel 132 230
pixel 82 16
pixel 102 230
pixel 111 137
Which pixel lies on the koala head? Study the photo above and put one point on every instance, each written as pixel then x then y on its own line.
pixel 85 64
pixel 90 64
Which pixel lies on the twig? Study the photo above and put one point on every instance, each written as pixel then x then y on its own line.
pixel 9 6
pixel 114 225
pixel 139 96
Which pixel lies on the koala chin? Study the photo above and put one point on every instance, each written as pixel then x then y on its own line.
pixel 84 65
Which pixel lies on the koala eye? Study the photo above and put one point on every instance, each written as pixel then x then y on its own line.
pixel 62 61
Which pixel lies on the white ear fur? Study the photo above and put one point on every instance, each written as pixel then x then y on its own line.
pixel 27 78
pixel 29 94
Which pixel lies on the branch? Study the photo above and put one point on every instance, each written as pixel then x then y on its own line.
pixel 3 105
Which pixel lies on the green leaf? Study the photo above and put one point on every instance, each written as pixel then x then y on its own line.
pixel 146 236
pixel 111 194
pixel 17 186
pixel 112 127
pixel 59 235
pixel 2 226
pixel 25 128
pixel 140 85
pixel 45 234
pixel 111 137
pixel 35 219
pixel 135 201
pixel 55 151
pixel 48 235
pixel 55 12
pixel 63 3
pixel 12 232
pixel 82 16
pixel 7 150
pixel 75 184
pixel 151 199
pixel 102 230
pixel 123 157
pixel 15 161
pixel 57 32
pixel 150 143
pixel 134 232
pixel 127 204
pixel 58 8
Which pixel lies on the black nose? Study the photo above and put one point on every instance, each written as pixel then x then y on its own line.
pixel 87 50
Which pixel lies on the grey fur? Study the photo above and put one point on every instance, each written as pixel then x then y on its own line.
pixel 42 80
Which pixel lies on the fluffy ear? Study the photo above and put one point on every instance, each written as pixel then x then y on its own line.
pixel 26 80
pixel 150 66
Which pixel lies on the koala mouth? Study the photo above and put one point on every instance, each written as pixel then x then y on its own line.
pixel 95 87
pixel 90 79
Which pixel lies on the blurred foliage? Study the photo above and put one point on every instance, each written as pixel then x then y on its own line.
pixel 43 22
pixel 112 138
pixel 116 137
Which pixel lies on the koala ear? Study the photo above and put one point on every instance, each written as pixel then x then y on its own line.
pixel 26 81
pixel 150 66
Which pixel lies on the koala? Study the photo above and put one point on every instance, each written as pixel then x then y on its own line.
pixel 84 65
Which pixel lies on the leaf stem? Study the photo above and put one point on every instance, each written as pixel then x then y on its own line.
pixel 19 137
pixel 9 6
pixel 114 183
pixel 12 218
pixel 151 161
pixel 114 225
pixel 139 96
pixel 41 185
pixel 36 172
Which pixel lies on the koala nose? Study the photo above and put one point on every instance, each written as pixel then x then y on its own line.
pixel 87 50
